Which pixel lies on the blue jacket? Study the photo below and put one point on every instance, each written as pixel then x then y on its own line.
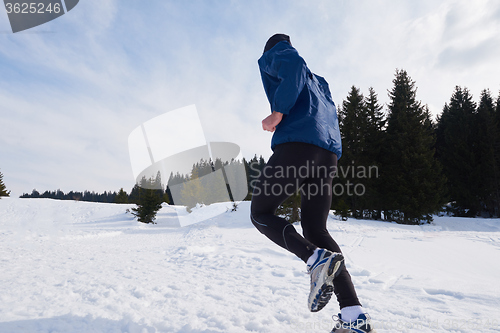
pixel 304 98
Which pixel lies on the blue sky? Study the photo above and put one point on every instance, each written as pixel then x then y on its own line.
pixel 72 90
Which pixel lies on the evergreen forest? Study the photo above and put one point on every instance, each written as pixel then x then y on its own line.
pixel 398 163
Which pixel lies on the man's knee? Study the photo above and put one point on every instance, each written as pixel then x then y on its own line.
pixel 257 222
pixel 321 238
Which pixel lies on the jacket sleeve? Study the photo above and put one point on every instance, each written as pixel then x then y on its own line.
pixel 290 70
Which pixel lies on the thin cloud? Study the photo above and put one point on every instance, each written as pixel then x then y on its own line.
pixel 69 99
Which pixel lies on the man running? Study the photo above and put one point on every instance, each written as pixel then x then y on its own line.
pixel 306 145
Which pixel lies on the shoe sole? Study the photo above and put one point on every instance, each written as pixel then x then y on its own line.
pixel 325 292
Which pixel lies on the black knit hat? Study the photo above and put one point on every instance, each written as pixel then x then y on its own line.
pixel 275 40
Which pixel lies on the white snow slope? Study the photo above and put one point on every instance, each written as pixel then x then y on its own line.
pixel 70 266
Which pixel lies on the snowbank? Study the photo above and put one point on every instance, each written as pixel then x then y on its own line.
pixel 87 267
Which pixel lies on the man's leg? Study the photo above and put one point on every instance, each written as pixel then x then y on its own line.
pixel 315 206
pixel 273 187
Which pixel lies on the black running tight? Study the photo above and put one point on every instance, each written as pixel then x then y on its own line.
pixel 308 169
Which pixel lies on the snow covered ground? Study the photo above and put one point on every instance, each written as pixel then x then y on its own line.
pixel 86 267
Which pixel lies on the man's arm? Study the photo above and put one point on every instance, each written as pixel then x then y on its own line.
pixel 271 121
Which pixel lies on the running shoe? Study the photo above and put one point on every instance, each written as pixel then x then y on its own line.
pixel 326 268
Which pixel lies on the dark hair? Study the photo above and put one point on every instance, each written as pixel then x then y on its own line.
pixel 275 39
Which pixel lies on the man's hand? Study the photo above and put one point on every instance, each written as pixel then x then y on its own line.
pixel 270 123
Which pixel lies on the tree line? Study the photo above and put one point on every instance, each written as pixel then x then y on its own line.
pixel 205 191
pixel 424 164
pixel 189 189
pixel 398 164
pixel 106 196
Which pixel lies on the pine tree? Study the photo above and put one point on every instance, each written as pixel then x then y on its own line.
pixel 34 194
pixel 3 188
pixel 412 177
pixel 353 116
pixel 217 182
pixel 361 125
pixel 149 201
pixel 254 169
pixel 497 151
pixel 497 110
pixel 193 192
pixel 236 179
pixel 455 151
pixel 121 197
pixel 173 183
pixel 485 138
pixel 374 141
pixel 376 122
